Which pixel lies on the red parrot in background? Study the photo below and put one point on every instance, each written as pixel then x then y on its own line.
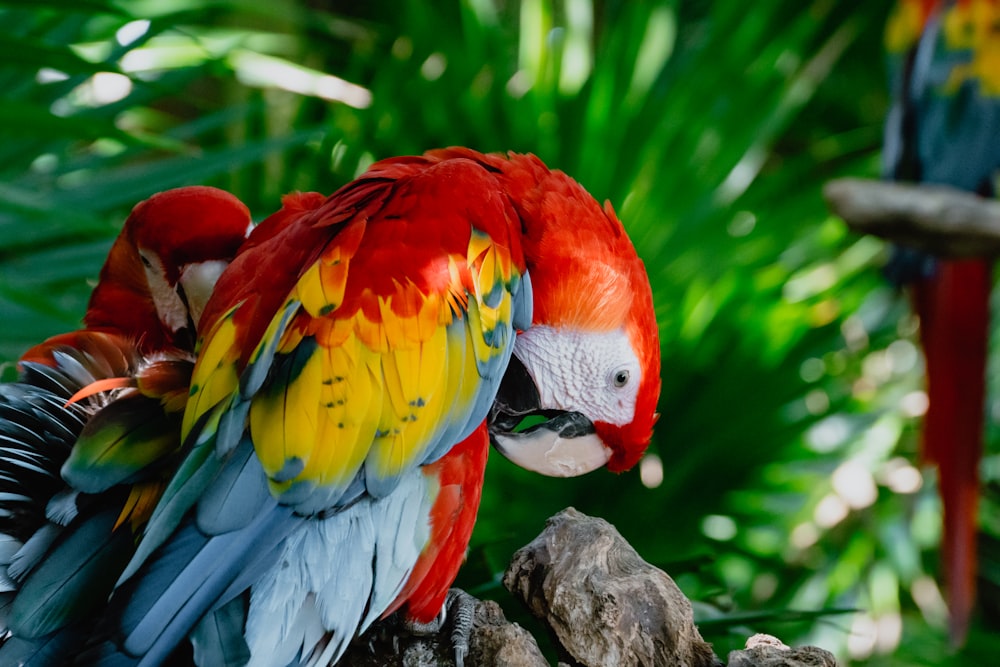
pixel 944 128
pixel 57 538
pixel 336 432
pixel 161 269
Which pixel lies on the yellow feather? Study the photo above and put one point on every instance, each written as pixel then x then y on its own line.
pixel 394 326
pixel 455 361
pixel 348 416
pixel 456 297
pixel 434 377
pixel 301 409
pixel 267 431
pixel 415 385
pixel 479 347
pixel 334 275
pixel 214 377
pixel 311 291
pixel 334 333
pixel 393 387
pixel 478 244
pixel 470 377
pixel 139 505
pixel 321 288
pixel 290 339
pixel 370 333
pixel 428 316
pixel 487 271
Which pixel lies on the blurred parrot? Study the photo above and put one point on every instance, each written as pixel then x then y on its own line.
pixel 58 538
pixel 944 127
pixel 336 433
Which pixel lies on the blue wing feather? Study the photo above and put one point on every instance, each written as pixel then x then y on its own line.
pixel 236 495
pixel 218 638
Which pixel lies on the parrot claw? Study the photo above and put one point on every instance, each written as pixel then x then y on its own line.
pixel 460 607
pixel 463 608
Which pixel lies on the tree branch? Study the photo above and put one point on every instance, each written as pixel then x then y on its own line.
pixel 603 604
pixel 935 218
pixel 606 606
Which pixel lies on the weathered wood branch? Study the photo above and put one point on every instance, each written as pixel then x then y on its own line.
pixel 493 642
pixel 603 604
pixel 935 218
pixel 606 606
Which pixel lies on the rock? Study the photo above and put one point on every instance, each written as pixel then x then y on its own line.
pixel 605 605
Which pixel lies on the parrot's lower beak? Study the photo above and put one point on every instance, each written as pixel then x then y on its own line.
pixel 552 442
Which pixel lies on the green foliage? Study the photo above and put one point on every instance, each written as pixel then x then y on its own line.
pixel 789 367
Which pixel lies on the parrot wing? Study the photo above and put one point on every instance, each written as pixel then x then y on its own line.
pixel 348 345
pixel 91 431
pixel 65 536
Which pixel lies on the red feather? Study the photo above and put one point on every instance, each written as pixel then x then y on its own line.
pixel 953 306
pixel 460 478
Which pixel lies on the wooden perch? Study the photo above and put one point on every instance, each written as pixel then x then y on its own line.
pixel 494 642
pixel 604 605
pixel 607 606
pixel 935 218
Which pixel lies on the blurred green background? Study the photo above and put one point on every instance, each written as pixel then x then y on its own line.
pixel 781 489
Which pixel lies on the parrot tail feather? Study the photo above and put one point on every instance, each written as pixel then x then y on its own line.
pixel 183 583
pixel 953 305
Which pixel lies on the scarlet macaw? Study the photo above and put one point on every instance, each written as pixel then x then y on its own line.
pixel 944 128
pixel 336 421
pixel 161 269
pixel 58 538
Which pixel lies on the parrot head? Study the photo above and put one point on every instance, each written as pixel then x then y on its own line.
pixel 581 389
pixel 163 266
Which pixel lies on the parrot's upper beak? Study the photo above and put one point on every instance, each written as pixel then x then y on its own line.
pixel 549 441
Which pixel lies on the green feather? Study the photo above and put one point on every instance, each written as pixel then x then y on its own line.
pixel 122 443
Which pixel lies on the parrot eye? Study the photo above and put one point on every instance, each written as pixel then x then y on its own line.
pixel 620 378
pixel 145 261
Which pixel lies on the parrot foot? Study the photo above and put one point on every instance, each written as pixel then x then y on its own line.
pixel 460 607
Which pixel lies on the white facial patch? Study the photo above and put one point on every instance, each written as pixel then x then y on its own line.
pixel 596 374
pixel 198 281
pixel 169 306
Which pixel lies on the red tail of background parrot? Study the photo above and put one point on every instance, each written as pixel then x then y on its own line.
pixel 82 466
pixel 352 353
pixel 953 307
pixel 945 128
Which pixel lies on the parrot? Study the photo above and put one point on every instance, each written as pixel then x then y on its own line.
pixel 137 339
pixel 355 361
pixel 943 128
pixel 161 269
